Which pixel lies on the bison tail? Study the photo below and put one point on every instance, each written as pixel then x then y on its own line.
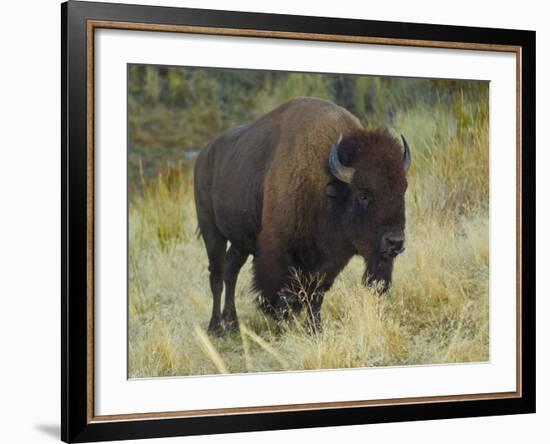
pixel 198 232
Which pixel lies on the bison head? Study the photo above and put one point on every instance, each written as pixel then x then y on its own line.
pixel 369 171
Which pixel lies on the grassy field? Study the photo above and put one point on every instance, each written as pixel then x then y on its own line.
pixel 437 310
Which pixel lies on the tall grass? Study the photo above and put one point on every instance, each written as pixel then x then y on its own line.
pixel 437 310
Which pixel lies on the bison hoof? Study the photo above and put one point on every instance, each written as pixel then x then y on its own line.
pixel 231 326
pixel 215 328
pixel 230 321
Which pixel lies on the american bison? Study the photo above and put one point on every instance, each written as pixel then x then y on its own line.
pixel 302 189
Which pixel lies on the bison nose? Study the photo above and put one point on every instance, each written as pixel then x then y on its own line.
pixel 393 244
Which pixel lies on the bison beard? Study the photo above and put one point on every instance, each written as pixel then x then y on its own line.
pixel 380 272
pixel 302 189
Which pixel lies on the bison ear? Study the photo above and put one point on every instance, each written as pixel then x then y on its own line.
pixel 331 190
pixel 336 189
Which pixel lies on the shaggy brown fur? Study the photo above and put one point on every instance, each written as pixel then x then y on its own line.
pixel 268 190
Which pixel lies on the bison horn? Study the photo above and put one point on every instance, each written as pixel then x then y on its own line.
pixel 406 155
pixel 341 172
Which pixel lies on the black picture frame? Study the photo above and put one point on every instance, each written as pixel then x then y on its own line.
pixel 76 423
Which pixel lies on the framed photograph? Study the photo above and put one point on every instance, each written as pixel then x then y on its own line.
pixel 276 221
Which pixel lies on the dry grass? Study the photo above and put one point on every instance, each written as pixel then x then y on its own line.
pixel 437 310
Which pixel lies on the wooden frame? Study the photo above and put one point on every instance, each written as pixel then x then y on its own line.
pixel 79 21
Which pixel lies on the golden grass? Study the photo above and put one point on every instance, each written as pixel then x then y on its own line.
pixel 437 310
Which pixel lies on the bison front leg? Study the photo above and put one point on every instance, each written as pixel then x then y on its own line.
pixel 271 276
pixel 317 286
pixel 313 315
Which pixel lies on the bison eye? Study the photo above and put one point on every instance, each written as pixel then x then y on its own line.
pixel 363 198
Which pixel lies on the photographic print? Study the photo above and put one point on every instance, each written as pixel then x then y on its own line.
pixel 275 221
pixel 291 221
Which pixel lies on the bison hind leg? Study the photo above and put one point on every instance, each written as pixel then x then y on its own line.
pixel 215 247
pixel 234 260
